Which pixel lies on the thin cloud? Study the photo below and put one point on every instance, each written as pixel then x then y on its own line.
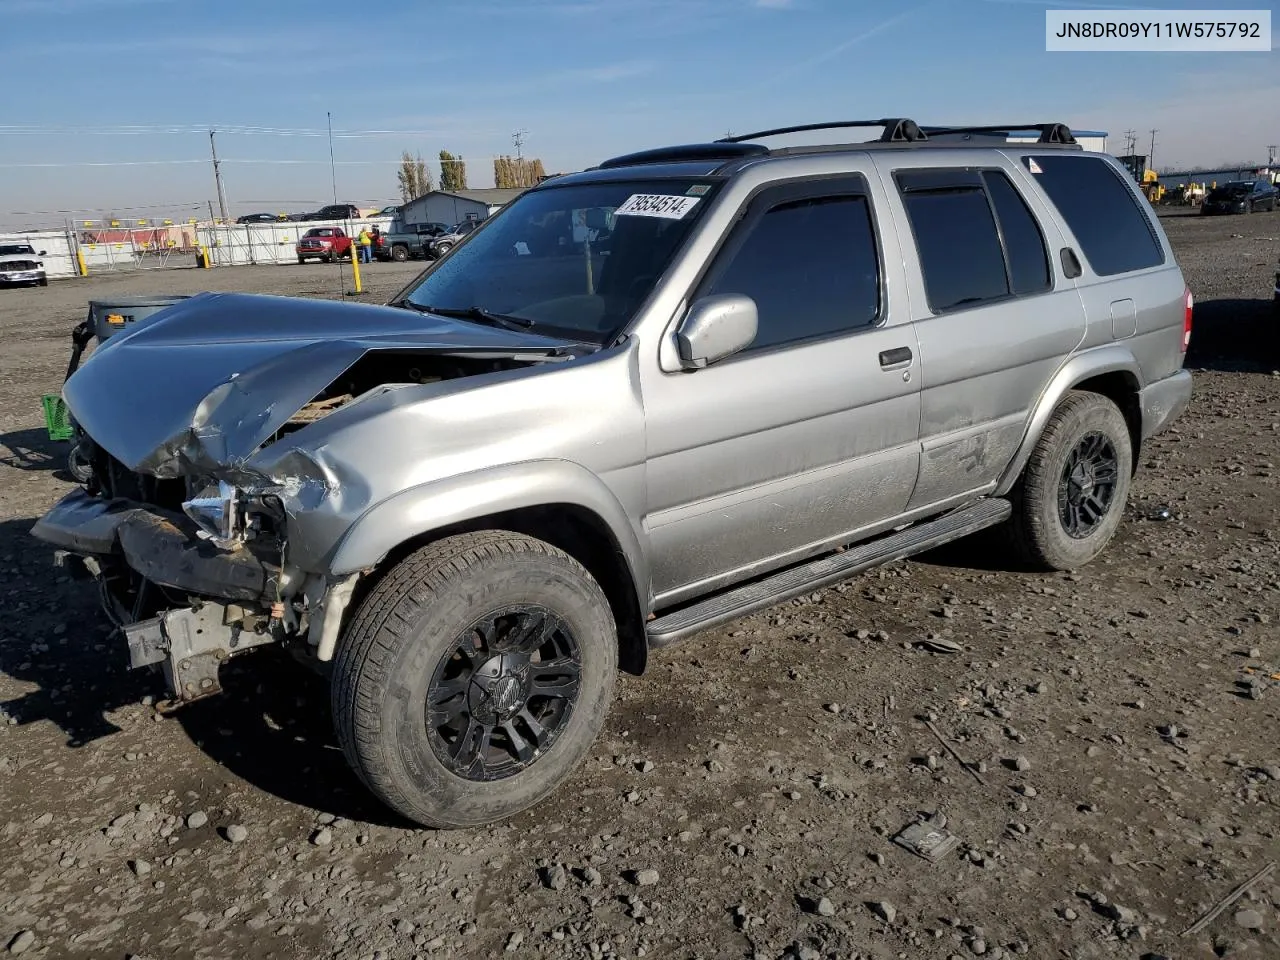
pixel 70 6
pixel 862 37
pixel 1073 5
pixel 775 4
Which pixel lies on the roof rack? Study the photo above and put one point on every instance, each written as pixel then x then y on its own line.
pixel 1049 132
pixel 720 150
pixel 896 130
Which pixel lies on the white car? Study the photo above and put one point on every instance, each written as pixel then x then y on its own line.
pixel 19 263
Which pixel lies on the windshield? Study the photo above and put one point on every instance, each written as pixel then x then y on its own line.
pixel 575 261
pixel 12 249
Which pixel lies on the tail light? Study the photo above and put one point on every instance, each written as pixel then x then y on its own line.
pixel 1188 304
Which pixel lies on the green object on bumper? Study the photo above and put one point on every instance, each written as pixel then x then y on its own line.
pixel 56 418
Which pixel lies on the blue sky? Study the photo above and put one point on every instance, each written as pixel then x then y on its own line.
pixel 106 88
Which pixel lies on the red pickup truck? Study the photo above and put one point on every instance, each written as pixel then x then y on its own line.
pixel 323 243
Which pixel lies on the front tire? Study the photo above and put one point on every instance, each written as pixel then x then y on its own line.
pixel 474 677
pixel 1070 498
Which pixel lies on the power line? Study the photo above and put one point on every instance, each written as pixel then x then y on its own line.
pixel 229 130
pixel 221 161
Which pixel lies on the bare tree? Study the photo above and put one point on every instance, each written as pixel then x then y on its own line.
pixel 414 177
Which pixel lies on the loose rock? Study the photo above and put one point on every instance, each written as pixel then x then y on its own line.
pixel 645 878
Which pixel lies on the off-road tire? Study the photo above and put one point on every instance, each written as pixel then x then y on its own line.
pixel 399 253
pixel 410 621
pixel 1035 532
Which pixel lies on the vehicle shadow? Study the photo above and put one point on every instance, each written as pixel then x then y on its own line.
pixel 271 727
pixel 1235 335
pixel 33 450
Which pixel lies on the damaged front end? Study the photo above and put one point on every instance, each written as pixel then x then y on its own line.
pixel 205 516
pixel 189 590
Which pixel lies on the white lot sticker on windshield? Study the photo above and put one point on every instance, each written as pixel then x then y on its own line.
pixel 656 205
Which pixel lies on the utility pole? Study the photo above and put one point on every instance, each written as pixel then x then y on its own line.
pixel 217 178
pixel 1130 142
pixel 1151 157
pixel 1271 154
pixel 518 139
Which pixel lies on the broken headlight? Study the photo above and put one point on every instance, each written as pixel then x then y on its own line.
pixel 217 514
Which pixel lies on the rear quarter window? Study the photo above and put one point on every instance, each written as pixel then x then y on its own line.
pixel 1115 233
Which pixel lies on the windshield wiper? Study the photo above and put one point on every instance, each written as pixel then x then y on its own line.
pixel 480 315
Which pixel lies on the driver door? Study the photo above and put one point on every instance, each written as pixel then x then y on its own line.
pixel 811 432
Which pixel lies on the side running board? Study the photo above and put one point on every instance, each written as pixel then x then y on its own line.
pixel 739 601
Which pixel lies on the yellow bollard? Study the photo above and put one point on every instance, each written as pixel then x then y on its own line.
pixel 84 267
pixel 355 262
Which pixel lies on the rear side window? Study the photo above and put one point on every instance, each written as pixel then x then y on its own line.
pixel 1023 243
pixel 960 253
pixel 811 267
pixel 1115 233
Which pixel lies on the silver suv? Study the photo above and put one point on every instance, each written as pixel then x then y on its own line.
pixel 640 401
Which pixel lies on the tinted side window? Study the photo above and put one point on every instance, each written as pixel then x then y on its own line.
pixel 960 253
pixel 1115 233
pixel 1023 242
pixel 810 266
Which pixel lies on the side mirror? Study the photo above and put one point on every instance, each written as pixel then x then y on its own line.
pixel 715 328
pixel 43 253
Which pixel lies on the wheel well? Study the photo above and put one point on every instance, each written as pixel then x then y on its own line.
pixel 1121 388
pixel 578 532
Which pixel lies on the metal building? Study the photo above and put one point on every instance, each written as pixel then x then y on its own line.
pixel 452 207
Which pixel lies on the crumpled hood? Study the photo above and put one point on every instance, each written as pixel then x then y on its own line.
pixel 209 379
pixel 18 257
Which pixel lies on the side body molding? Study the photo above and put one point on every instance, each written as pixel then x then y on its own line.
pixel 533 483
pixel 1082 366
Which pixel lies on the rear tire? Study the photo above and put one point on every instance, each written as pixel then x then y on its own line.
pixel 442 708
pixel 399 253
pixel 1070 498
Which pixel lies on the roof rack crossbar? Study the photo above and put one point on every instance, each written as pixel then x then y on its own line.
pixel 1049 132
pixel 720 150
pixel 898 129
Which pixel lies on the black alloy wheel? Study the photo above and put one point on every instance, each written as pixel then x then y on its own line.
pixel 504 694
pixel 1087 487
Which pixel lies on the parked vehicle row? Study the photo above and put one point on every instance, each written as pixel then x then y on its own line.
pixel 334 211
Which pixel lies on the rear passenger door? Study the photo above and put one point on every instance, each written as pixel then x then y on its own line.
pixel 994 315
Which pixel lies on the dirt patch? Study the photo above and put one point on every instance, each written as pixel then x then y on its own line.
pixel 1122 721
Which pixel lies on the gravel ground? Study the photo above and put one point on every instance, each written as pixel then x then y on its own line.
pixel 741 802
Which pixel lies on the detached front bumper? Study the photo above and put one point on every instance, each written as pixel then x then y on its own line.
pixel 161 547
pixel 227 610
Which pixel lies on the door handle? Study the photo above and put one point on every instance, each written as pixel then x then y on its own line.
pixel 895 358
